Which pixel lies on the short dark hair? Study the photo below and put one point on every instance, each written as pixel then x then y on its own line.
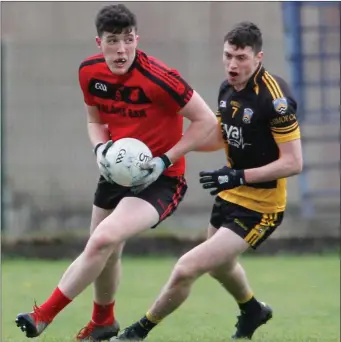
pixel 245 34
pixel 115 19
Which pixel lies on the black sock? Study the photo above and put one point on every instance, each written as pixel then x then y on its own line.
pixel 146 326
pixel 252 305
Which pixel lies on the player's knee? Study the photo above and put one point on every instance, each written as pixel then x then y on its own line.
pixel 185 271
pixel 115 256
pixel 102 241
pixel 182 274
pixel 216 274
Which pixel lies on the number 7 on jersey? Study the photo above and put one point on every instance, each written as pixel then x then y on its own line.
pixel 234 111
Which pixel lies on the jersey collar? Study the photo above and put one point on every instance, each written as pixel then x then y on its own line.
pixel 133 65
pixel 255 79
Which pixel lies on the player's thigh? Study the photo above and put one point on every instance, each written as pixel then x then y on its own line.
pixel 165 195
pixel 251 226
pixel 221 249
pixel 97 216
pixel 217 217
pixel 135 213
pixel 106 198
pixel 131 216
pixel 211 231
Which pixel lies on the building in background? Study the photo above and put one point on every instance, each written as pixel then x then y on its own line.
pixel 48 167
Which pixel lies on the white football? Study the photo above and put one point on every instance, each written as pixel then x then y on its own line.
pixel 125 157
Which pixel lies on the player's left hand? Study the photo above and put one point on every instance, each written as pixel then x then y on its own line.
pixel 222 179
pixel 155 167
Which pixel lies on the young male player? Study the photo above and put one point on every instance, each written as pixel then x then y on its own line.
pixel 261 136
pixel 126 94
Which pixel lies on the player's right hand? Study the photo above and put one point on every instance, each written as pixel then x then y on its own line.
pixel 103 164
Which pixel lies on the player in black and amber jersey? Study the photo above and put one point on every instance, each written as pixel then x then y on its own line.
pixel 260 133
pixel 127 94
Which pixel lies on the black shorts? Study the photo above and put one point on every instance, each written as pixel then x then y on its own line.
pixel 164 194
pixel 252 226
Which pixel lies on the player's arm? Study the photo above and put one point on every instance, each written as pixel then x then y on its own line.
pixel 100 140
pixel 97 130
pixel 286 132
pixel 182 100
pixel 203 124
pixel 214 141
pixel 290 163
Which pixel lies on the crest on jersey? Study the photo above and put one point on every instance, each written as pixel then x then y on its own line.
pixel 280 105
pixel 247 115
pixel 135 94
pixel 118 95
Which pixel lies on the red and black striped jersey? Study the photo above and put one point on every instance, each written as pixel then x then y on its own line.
pixel 141 104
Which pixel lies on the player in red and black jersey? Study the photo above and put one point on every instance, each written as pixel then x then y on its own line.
pixel 127 94
pixel 142 104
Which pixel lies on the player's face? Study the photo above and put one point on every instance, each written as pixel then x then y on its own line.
pixel 240 64
pixel 119 50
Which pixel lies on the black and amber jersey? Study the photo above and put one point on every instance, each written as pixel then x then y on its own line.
pixel 253 122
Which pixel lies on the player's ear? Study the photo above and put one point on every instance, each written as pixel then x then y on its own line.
pixel 137 38
pixel 98 42
pixel 260 56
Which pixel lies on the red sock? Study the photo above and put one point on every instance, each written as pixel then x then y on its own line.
pixel 56 303
pixel 103 314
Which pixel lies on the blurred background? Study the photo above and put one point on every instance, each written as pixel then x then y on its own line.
pixel 49 173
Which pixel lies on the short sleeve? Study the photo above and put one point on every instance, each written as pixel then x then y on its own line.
pixel 84 84
pixel 175 92
pixel 282 109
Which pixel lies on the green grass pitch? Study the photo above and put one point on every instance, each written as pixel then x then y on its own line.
pixel 304 292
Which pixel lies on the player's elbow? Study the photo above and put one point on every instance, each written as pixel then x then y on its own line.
pixel 290 165
pixel 295 166
pixel 209 147
pixel 207 117
pixel 299 166
pixel 213 121
pixel 210 123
